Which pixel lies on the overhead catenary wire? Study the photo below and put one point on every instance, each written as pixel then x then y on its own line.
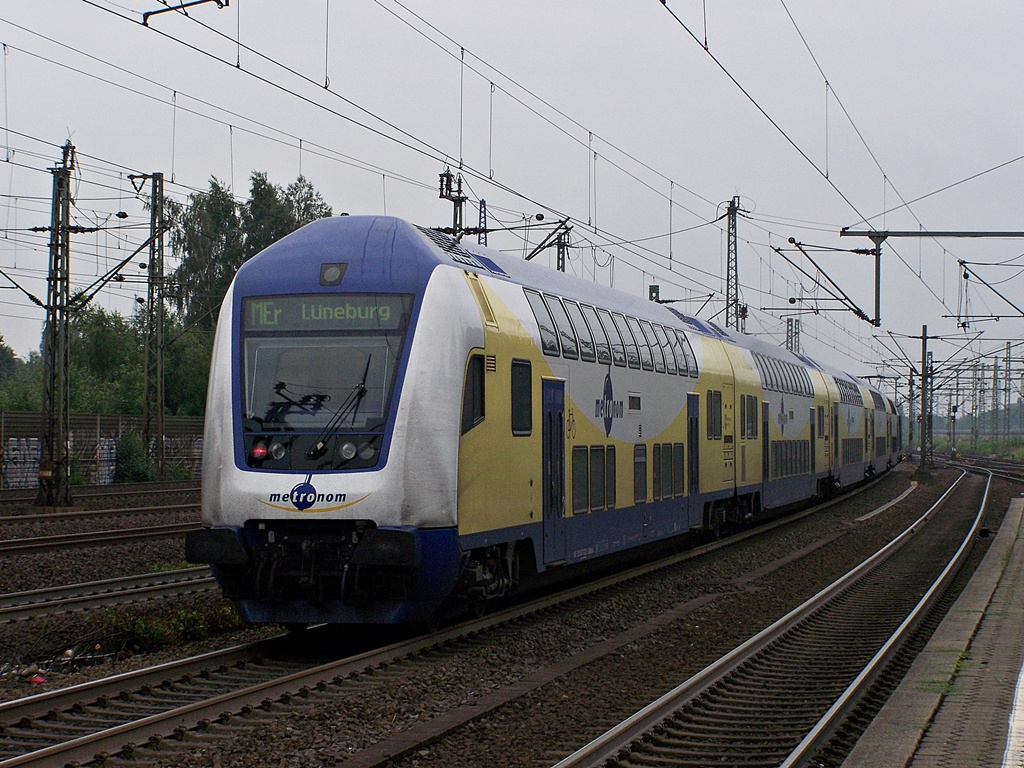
pixel 623 240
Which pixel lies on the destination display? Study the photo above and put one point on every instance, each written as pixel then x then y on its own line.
pixel 326 312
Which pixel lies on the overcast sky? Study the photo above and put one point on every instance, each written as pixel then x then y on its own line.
pixel 817 115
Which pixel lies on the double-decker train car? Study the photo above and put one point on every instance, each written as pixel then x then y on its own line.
pixel 397 422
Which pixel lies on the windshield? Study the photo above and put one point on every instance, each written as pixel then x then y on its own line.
pixel 318 377
pixel 300 383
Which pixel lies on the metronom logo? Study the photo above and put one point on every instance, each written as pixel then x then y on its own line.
pixel 304 497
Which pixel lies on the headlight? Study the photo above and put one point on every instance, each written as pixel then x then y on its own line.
pixel 366 451
pixel 276 451
pixel 348 451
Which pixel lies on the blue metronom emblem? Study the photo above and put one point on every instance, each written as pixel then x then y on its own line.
pixel 303 495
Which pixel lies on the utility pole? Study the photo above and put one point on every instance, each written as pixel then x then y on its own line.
pixel 562 245
pixel 953 407
pixel 732 279
pixel 910 409
pixel 981 403
pixel 926 410
pixel 153 387
pixel 1006 395
pixel 55 462
pixel 995 400
pixel 451 189
pixel 929 430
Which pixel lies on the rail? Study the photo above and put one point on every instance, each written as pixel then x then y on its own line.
pixel 630 735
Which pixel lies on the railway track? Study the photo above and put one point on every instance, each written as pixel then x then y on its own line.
pixel 18 606
pixel 157 712
pixel 777 698
pixel 86 495
pixel 1009 470
pixel 90 514
pixel 94 538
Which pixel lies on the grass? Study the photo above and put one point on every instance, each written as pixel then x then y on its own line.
pixel 139 632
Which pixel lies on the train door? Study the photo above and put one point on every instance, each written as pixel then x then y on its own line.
pixel 553 447
pixel 835 436
pixel 814 444
pixel 693 441
pixel 728 434
pixel 766 443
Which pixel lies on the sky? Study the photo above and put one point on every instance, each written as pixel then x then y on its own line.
pixel 638 120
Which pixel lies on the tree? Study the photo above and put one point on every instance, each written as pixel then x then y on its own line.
pixel 305 202
pixel 23 391
pixel 106 362
pixel 212 236
pixel 8 362
pixel 266 217
pixel 186 368
pixel 207 237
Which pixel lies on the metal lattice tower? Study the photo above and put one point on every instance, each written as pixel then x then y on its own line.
pixel 55 462
pixel 979 384
pixel 929 416
pixel 926 405
pixel 481 236
pixel 153 387
pixel 793 334
pixel 1006 393
pixel 994 429
pixel 732 279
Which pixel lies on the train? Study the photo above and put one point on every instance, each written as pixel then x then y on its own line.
pixel 400 424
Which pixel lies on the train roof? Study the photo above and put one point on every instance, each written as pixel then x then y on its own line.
pixel 370 244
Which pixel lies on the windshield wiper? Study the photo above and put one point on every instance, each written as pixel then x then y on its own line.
pixel 308 404
pixel 351 404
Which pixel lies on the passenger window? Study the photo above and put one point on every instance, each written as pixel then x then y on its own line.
pixel 632 353
pixel 473 394
pixel 666 471
pixel 609 476
pixel 640 473
pixel 652 341
pixel 677 469
pixel 522 398
pixel 677 350
pixel 604 353
pixel 570 349
pixel 666 350
pixel 580 480
pixel 548 337
pixel 646 361
pixel 691 361
pixel 582 331
pixel 614 338
pixel 656 466
pixel 716 414
pixel 597 479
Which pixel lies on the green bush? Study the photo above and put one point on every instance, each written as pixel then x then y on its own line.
pixel 133 462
